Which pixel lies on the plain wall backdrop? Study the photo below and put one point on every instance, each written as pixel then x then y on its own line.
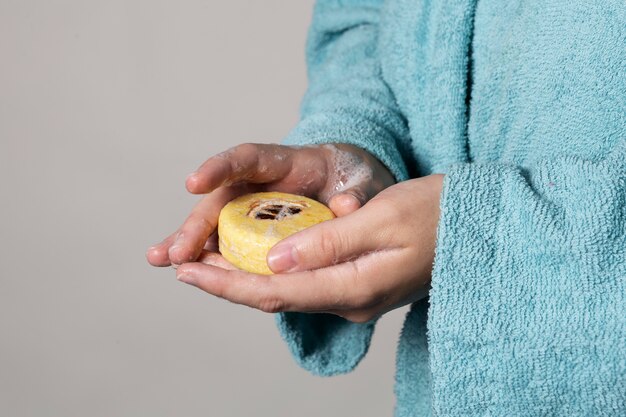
pixel 105 107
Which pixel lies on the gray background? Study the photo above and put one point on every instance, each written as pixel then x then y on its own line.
pixel 105 107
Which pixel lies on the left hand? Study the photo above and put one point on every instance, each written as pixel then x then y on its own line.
pixel 358 266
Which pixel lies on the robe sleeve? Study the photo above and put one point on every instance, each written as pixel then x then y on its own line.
pixel 529 287
pixel 347 101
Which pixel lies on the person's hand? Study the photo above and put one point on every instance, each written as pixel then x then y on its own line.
pixel 358 266
pixel 342 176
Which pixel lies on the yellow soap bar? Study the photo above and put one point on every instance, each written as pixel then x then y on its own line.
pixel 250 225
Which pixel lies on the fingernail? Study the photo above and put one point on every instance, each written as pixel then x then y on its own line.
pixel 187 279
pixel 281 258
pixel 191 182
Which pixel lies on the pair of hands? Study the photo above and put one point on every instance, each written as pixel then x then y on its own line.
pixel 376 256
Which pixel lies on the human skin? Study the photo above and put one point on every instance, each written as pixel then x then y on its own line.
pixel 376 256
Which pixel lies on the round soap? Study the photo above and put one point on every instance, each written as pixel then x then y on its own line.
pixel 250 225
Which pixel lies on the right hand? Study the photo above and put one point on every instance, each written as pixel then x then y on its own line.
pixel 342 176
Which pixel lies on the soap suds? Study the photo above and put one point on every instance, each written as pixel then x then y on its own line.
pixel 348 170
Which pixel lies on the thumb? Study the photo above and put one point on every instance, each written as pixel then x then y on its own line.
pixel 347 201
pixel 327 243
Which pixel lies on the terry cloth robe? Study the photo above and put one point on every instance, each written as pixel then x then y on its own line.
pixel 522 104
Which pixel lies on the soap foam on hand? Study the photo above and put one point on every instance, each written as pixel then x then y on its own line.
pixel 349 171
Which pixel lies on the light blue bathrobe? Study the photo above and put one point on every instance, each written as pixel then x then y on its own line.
pixel 523 105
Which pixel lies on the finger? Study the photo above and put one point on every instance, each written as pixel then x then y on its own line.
pixel 157 255
pixel 215 259
pixel 212 244
pixel 256 163
pixel 200 224
pixel 320 290
pixel 333 241
pixel 347 202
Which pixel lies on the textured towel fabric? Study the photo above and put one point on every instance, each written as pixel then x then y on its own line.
pixel 522 105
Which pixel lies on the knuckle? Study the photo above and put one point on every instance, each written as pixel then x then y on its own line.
pixel 271 305
pixel 197 221
pixel 247 148
pixel 246 157
pixel 393 211
pixel 330 244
